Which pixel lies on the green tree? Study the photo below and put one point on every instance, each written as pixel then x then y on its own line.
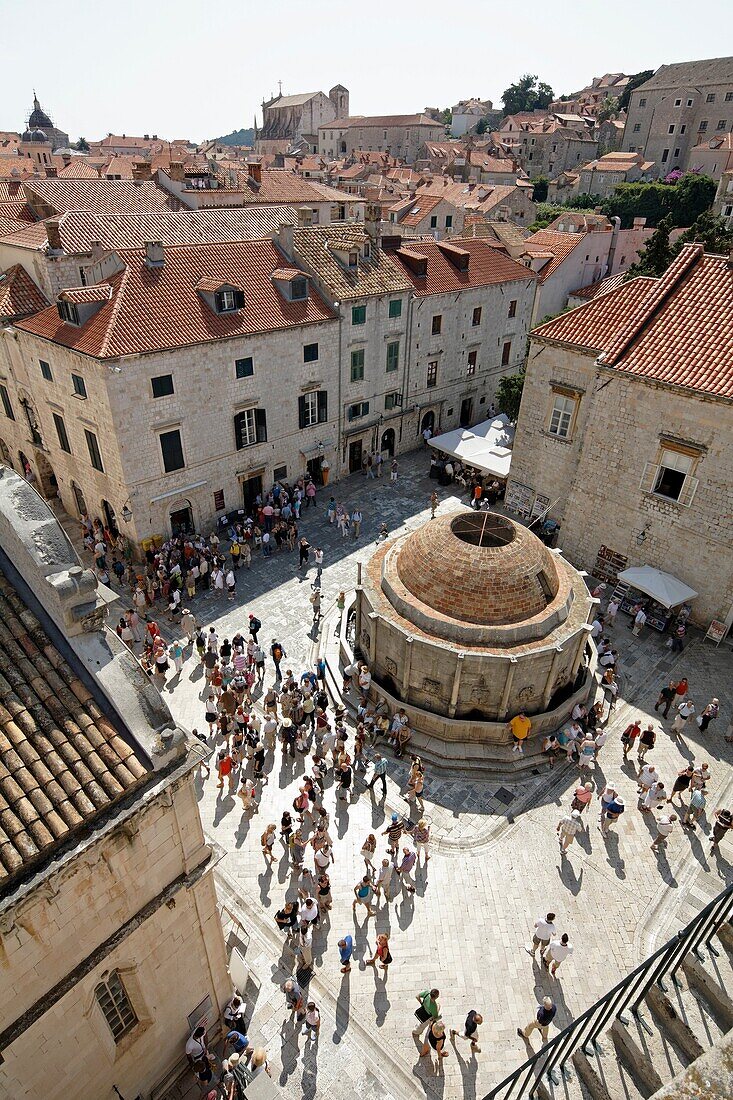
pixel 526 94
pixel 509 394
pixel 635 82
pixel 446 116
pixel 82 145
pixel 482 126
pixel 608 109
pixel 693 195
pixel 711 231
pixel 541 184
pixel 656 255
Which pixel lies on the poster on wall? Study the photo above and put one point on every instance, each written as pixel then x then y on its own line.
pixel 609 563
pixel 202 1015
pixel 519 498
pixel 717 631
pixel 539 506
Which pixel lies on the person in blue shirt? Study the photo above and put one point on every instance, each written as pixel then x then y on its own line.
pixel 346 950
pixel 380 771
pixel 237 1041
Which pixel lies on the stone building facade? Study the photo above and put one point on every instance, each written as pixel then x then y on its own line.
pixel 295 118
pixel 399 135
pixel 625 432
pixel 111 942
pixel 679 106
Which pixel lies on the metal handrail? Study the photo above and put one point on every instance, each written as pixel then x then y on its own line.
pixel 630 991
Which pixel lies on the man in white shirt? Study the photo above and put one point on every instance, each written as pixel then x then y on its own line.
pixel 596 629
pixel 544 931
pixel 665 825
pixel 684 712
pixel 639 620
pixel 556 953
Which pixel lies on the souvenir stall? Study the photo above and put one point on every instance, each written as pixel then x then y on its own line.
pixel 664 597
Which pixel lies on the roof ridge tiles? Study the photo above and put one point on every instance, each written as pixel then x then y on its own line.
pixel 689 256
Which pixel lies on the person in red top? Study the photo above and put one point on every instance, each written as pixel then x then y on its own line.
pixel 224 769
pixel 630 735
pixel 682 687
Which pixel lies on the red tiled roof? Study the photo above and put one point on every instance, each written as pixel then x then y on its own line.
pixel 11 191
pixel 559 244
pixel 602 286
pixel 675 329
pixel 32 236
pixel 79 169
pixel 211 284
pixel 486 267
pixel 100 196
pixel 19 295
pixel 100 292
pixel 287 274
pixel 418 207
pixel 153 309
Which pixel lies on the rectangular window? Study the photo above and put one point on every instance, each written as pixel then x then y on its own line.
pixel 298 289
pixel 703 125
pixel 172 450
pixel 95 456
pixel 729 97
pixel 678 102
pixel 476 317
pixel 683 127
pixel 637 127
pixel 82 277
pixel 433 221
pixel 310 353
pixel 672 478
pixel 115 1004
pixel 244 368
pixel 62 433
pixel 250 427
pixel 676 154
pixel 361 408
pixel 357 365
pixel 392 401
pixel 432 378
pixel 512 308
pixel 670 129
pixel 312 408
pixel 562 416
pixel 358 315
pixel 80 388
pixel 393 356
pixel 710 97
pixel 506 351
pixel 665 155
pixel 472 357
pixel 642 102
pixel 722 123
pixel 162 385
pixel 280 473
pixel 690 102
pixel 229 300
pixel 68 312
pixel 7 406
pixel 437 325
pixel 395 308
pixel 449 221
pixel 46 371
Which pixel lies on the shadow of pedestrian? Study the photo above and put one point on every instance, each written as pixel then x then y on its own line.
pixel 343 1009
pixel 405 912
pixel 567 874
pixel 224 803
pixel 342 817
pixel 382 1003
pixel 697 848
pixel 469 1069
pixel 265 879
pixel 308 1081
pixel 613 855
pixel 242 829
pixel 665 870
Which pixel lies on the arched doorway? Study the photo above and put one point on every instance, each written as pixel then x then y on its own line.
pixel 5 454
pixel 388 442
pixel 81 504
pixel 181 518
pixel 110 519
pixel 428 421
pixel 47 482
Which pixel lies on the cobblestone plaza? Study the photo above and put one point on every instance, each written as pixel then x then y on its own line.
pixel 495 864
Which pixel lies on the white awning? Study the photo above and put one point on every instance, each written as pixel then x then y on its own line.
pixel 662 587
pixel 487 446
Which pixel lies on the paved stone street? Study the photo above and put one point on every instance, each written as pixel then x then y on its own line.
pixel 495 866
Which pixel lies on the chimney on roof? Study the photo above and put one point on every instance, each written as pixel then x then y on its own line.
pixel 639 223
pixel 286 239
pixel 255 173
pixel 142 170
pixel 176 173
pixel 97 251
pixel 154 254
pixel 51 172
pixel 54 236
pixel 459 257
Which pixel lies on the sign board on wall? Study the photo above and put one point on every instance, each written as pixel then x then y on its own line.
pixel 219 500
pixel 519 498
pixel 609 563
pixel 539 506
pixel 717 631
pixel 202 1015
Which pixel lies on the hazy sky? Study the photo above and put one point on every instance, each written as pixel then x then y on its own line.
pixel 196 70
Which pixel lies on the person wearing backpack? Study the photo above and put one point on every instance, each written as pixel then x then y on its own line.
pixel 277 653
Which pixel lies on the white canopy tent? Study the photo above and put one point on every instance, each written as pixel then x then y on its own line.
pixel 662 587
pixel 487 446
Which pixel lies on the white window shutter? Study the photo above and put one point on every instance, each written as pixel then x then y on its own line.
pixel 689 488
pixel 649 478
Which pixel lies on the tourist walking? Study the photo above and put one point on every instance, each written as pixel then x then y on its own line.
pixel 722 824
pixel 470 1030
pixel 520 725
pixel 666 698
pixel 346 950
pixel 544 930
pixel 380 773
pixel 685 711
pixel 541 1021
pixel 567 829
pixel 362 896
pixel 665 825
pixel 709 714
pixel 433 505
pixel 381 953
pixel 556 953
pixel 435 1040
pixel 428 1011
pixel 682 782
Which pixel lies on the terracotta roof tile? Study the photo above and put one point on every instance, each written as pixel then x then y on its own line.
pixel 61 760
pixel 376 275
pixel 19 295
pixel 79 169
pixel 100 196
pixel 101 292
pixel 602 286
pixel 154 309
pixel 487 266
pixel 675 329
pixel 559 244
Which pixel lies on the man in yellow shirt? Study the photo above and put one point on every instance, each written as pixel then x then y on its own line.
pixel 520 726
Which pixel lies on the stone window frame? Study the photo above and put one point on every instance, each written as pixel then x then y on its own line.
pixel 566 393
pixel 128 973
pixel 685 459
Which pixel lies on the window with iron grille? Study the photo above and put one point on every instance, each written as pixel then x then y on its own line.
pixel 244 368
pixel 112 998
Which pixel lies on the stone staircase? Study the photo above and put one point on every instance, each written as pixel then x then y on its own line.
pixel 655 1054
